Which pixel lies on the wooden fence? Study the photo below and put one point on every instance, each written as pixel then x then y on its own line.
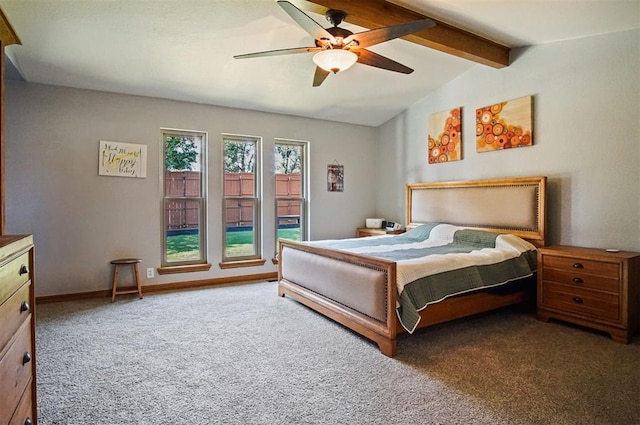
pixel 288 185
pixel 184 214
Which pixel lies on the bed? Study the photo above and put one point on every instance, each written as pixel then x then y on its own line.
pixel 346 282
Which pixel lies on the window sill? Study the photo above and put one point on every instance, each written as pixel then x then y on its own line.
pixel 184 269
pixel 243 263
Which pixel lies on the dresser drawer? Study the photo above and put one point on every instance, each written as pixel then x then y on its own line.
pixel 582 280
pixel 582 301
pixel 15 372
pixel 24 411
pixel 13 275
pixel 583 266
pixel 13 312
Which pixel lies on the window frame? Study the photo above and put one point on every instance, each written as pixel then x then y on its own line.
pixel 201 263
pixel 255 258
pixel 304 189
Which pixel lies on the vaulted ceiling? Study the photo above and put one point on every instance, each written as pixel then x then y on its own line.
pixel 183 49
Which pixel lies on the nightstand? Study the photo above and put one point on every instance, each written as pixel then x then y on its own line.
pixel 362 232
pixel 590 287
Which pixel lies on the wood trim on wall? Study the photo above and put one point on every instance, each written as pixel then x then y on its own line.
pixel 161 287
pixel 8 37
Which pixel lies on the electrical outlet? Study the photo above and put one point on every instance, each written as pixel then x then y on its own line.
pixel 150 273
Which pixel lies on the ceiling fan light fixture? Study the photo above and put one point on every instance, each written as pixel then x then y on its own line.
pixel 335 60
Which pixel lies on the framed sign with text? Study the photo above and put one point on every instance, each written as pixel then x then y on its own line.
pixel 122 159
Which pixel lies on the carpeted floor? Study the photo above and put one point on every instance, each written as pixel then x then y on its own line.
pixel 242 355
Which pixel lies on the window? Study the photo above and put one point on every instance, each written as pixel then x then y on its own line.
pixel 184 200
pixel 241 206
pixel 291 190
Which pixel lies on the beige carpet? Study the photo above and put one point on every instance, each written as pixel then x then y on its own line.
pixel 242 355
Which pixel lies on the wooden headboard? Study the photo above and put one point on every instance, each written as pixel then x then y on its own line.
pixel 516 205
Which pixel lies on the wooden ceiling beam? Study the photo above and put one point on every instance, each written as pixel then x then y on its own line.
pixel 442 37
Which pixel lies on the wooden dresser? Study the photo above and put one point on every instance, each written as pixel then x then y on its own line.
pixel 17 332
pixel 590 287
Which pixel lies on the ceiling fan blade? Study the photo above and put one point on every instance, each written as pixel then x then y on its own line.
pixel 378 35
pixel 278 52
pixel 319 76
pixel 305 21
pixel 309 6
pixel 367 57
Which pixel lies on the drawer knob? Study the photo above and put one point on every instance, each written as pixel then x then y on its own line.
pixel 578 300
pixel 23 270
pixel 26 358
pixel 28 421
pixel 24 306
pixel 578 266
pixel 577 280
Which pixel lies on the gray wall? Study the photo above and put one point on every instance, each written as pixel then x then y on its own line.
pixel 587 141
pixel 80 221
pixel 586 132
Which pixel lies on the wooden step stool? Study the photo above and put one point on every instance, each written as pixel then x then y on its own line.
pixel 125 262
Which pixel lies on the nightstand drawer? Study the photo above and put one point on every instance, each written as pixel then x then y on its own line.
pixel 599 268
pixel 582 280
pixel 582 301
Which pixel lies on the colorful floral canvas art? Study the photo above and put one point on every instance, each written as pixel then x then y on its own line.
pixel 504 125
pixel 445 136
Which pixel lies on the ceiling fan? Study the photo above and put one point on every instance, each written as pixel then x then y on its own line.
pixel 336 49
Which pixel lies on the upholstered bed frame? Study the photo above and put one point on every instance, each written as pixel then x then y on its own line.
pixel 360 291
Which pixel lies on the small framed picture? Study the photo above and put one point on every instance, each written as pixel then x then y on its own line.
pixel 335 178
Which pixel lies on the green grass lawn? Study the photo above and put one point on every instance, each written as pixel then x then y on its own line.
pixel 293 234
pixel 239 243
pixel 185 247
